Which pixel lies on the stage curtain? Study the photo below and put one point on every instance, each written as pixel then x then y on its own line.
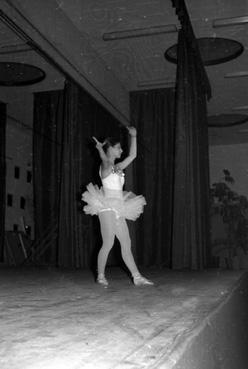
pixel 2 176
pixel 79 234
pixel 191 180
pixel 47 147
pixel 65 161
pixel 152 112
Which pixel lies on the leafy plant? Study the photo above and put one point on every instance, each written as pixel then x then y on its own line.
pixel 233 208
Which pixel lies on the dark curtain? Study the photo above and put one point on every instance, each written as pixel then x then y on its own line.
pixel 2 176
pixel 47 146
pixel 191 179
pixel 84 118
pixel 153 114
pixel 65 160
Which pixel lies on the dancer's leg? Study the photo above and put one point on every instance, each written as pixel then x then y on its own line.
pixel 122 233
pixel 107 225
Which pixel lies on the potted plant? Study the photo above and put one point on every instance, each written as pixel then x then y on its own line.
pixel 233 209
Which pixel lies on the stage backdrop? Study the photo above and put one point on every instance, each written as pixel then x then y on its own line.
pixel 47 149
pixel 65 160
pixel 79 234
pixel 191 231
pixel 152 112
pixel 2 176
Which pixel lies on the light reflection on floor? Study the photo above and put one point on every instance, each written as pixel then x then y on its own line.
pixel 62 319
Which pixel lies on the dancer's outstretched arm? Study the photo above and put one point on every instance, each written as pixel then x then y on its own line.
pixel 132 150
pixel 99 146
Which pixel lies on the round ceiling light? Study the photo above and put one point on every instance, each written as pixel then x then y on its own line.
pixel 19 74
pixel 227 120
pixel 213 50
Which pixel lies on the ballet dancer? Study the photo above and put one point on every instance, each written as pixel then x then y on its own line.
pixel 113 205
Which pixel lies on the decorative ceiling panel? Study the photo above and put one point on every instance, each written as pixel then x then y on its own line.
pixel 138 62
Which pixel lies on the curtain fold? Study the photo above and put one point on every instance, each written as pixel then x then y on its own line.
pixel 2 176
pixel 191 175
pixel 65 161
pixel 152 112
pixel 74 239
pixel 47 148
pixel 79 234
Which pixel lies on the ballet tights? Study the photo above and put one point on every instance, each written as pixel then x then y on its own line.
pixel 112 227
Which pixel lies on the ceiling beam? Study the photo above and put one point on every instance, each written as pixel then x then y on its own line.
pixel 139 32
pixel 15 48
pixel 69 49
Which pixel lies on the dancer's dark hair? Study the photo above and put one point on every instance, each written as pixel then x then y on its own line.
pixel 110 142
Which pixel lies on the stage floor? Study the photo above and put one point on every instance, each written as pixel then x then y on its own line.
pixel 63 319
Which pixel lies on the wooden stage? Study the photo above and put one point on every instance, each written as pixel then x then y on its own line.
pixel 52 318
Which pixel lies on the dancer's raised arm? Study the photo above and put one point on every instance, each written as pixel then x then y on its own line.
pixel 99 146
pixel 132 150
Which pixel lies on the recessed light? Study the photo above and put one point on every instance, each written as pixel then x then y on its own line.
pixel 225 22
pixel 227 120
pixel 139 32
pixel 19 74
pixel 213 50
pixel 237 74
pixel 243 107
pixel 156 82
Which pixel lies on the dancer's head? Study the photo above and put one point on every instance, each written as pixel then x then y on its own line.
pixel 112 147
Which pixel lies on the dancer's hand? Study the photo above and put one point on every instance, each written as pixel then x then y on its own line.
pixel 132 131
pixel 99 144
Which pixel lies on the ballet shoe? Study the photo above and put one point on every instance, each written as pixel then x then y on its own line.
pixel 139 280
pixel 102 280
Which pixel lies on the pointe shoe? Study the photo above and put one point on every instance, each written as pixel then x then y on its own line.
pixel 102 280
pixel 139 280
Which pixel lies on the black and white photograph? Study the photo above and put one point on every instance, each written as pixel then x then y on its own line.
pixel 124 184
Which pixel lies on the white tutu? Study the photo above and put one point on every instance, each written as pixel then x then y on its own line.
pixel 128 206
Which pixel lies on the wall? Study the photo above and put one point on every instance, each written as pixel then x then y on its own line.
pixel 19 151
pixel 19 155
pixel 19 135
pixel 233 157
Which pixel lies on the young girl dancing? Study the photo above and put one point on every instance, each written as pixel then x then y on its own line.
pixel 113 206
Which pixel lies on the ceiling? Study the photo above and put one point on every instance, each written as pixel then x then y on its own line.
pixel 13 49
pixel 138 62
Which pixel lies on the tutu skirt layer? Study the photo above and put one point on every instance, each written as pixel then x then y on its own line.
pixel 128 206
